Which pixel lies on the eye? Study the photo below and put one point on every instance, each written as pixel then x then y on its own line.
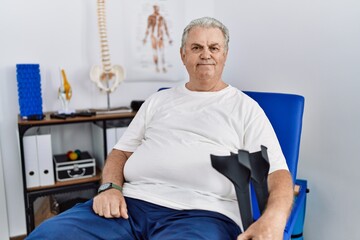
pixel 195 48
pixel 214 49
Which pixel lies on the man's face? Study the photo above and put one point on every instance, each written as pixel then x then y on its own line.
pixel 204 55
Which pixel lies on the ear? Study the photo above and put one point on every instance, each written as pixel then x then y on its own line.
pixel 226 54
pixel 182 55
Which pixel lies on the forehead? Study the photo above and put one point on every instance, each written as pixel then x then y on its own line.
pixel 205 36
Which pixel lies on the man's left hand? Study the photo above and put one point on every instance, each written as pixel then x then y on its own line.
pixel 263 229
pixel 271 224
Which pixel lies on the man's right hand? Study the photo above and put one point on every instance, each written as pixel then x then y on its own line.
pixel 110 204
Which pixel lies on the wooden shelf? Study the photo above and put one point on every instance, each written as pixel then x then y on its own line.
pixel 57 184
pixel 52 121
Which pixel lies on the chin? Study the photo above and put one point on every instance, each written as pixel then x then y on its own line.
pixel 205 75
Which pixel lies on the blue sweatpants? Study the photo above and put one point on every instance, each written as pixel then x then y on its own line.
pixel 146 221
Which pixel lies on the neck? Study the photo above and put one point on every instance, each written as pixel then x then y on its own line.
pixel 203 87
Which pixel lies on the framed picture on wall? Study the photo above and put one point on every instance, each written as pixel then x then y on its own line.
pixel 153 37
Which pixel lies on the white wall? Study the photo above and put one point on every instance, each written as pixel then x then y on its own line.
pixel 310 48
pixel 4 226
pixel 4 233
pixel 305 47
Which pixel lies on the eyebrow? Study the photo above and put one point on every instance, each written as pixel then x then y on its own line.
pixel 211 45
pixel 196 45
pixel 215 45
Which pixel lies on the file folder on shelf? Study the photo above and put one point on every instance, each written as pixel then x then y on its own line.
pixel 31 162
pixel 38 160
pixel 45 159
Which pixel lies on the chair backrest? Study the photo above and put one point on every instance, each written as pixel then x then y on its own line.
pixel 285 112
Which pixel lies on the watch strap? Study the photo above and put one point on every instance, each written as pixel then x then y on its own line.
pixel 110 185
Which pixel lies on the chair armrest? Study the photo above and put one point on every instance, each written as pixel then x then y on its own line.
pixel 300 190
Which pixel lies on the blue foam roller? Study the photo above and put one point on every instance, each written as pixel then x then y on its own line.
pixel 29 90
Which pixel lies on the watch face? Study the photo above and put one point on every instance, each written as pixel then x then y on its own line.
pixel 104 186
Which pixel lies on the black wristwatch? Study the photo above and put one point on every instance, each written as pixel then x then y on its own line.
pixel 107 186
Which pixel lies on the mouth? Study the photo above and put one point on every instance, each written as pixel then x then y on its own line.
pixel 205 64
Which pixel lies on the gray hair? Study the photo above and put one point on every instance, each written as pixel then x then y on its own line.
pixel 206 22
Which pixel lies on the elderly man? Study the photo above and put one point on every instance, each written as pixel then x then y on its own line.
pixel 158 182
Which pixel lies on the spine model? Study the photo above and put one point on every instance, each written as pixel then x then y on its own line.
pixel 102 75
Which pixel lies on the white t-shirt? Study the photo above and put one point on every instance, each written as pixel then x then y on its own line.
pixel 172 137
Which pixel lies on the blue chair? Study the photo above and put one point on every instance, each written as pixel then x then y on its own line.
pixel 285 112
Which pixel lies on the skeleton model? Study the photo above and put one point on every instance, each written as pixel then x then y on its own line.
pixel 101 76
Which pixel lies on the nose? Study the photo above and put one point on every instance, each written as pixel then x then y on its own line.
pixel 205 54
